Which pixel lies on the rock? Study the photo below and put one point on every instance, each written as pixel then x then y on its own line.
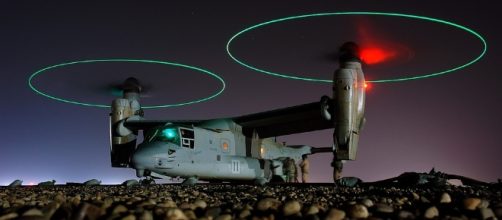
pixel 168 204
pixel 200 204
pixel 335 214
pixel 487 213
pixel 59 198
pixel 423 199
pixel 50 209
pixel 76 200
pixel 244 213
pixel 445 198
pixel 88 211
pixel 175 214
pixel 186 205
pixel 358 211
pixel 6 205
pixel 190 214
pixel 33 212
pixel 471 203
pixel 403 214
pixel 129 217
pixel 19 202
pixel 213 212
pixel 367 202
pixel 415 196
pixel 224 217
pixel 431 212
pixel 8 216
pixel 146 215
pixel 119 209
pixel 312 210
pixel 384 208
pixel 291 207
pixel 484 204
pixel 267 203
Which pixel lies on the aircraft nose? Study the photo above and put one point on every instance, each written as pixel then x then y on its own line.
pixel 140 158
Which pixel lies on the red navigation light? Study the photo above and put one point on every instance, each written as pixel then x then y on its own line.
pixel 374 55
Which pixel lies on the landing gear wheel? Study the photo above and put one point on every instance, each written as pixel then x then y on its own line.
pixel 337 169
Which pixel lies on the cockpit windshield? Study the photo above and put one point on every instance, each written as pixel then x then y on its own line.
pixel 165 134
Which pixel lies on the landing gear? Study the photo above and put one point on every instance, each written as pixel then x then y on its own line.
pixel 337 168
pixel 190 181
pixel 147 181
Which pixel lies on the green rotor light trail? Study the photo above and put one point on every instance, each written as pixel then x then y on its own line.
pixel 398 79
pixel 39 72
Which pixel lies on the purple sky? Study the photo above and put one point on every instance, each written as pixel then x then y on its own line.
pixel 452 122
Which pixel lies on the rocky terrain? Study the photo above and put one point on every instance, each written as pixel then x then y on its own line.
pixel 225 201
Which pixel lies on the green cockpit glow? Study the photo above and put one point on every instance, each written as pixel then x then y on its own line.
pixel 169 133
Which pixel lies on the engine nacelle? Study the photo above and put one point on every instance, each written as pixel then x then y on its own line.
pixel 122 139
pixel 349 96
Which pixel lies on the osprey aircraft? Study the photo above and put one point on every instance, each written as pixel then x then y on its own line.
pixel 239 148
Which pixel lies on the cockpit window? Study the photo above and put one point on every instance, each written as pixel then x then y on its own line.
pixel 187 137
pixel 165 134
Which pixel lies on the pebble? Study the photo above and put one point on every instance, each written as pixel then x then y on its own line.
pixel 33 212
pixel 213 212
pixel 245 213
pixel 119 209
pixel 445 198
pixel 146 215
pixel 190 214
pixel 267 203
pixel 129 217
pixel 431 212
pixel 248 202
pixel 224 217
pixel 335 214
pixel 415 196
pixel 384 208
pixel 471 203
pixel 359 211
pixel 484 204
pixel 200 204
pixel 487 213
pixel 291 207
pixel 312 210
pixel 367 202
pixel 175 214
pixel 168 204
pixel 9 216
pixel 403 214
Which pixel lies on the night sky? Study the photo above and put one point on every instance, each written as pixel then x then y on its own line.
pixel 451 122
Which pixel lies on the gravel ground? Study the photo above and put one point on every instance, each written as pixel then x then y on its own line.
pixel 311 201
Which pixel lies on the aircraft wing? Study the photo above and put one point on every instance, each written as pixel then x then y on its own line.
pixel 291 120
pixel 140 124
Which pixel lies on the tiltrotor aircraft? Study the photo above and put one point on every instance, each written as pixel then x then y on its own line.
pixel 239 148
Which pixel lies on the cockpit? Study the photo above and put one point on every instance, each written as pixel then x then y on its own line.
pixel 179 135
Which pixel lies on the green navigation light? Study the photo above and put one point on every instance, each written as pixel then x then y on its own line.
pixel 397 79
